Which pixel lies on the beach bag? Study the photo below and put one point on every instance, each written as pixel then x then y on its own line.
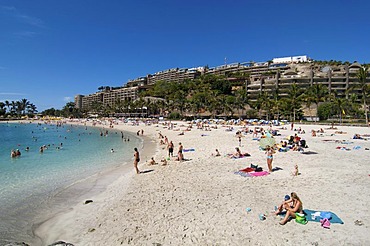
pixel 254 166
pixel 300 218
pixel 259 169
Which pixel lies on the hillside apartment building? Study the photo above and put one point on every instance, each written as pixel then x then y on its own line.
pixel 276 75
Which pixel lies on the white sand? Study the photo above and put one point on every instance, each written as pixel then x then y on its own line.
pixel 202 202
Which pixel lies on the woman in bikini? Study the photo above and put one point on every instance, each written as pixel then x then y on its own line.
pixel 136 160
pixel 269 152
pixel 292 206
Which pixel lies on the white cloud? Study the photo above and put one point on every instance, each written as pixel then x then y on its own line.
pixel 26 34
pixel 67 99
pixel 14 12
pixel 11 94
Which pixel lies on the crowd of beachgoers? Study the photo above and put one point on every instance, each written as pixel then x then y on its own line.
pixel 229 183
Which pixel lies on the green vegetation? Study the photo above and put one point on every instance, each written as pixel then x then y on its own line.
pixel 17 109
pixel 68 111
pixel 225 96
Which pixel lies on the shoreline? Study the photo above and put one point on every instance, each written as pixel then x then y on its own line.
pixel 202 202
pixel 87 188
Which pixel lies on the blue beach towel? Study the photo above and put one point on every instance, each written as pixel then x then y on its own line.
pixel 188 150
pixel 334 217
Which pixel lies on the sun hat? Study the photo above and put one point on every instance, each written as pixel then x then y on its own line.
pixel 287 197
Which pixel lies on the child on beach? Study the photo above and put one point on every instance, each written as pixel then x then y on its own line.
pixel 295 171
pixel 164 161
pixel 152 162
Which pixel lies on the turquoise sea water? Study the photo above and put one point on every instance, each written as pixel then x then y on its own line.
pixel 31 183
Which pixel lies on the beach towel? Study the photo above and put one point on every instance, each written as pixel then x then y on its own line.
pixel 247 170
pixel 236 158
pixel 188 150
pixel 243 174
pixel 343 148
pixel 257 174
pixel 334 218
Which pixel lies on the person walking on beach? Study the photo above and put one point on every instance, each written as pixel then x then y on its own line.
pixel 170 149
pixel 180 155
pixel 136 160
pixel 269 152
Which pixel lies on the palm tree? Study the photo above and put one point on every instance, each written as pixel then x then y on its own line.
pixel 340 105
pixel 241 99
pixel 2 108
pixel 7 104
pixel 23 104
pixel 216 105
pixel 276 103
pixel 258 104
pixel 315 94
pixel 118 106
pixel 31 108
pixel 127 105
pixel 319 94
pixel 364 87
pixel 179 100
pixel 96 107
pixel 294 97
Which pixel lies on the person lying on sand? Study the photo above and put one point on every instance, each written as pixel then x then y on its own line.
pixel 291 205
pixel 238 154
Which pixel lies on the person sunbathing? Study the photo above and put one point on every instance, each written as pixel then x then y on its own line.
pixel 291 205
pixel 239 154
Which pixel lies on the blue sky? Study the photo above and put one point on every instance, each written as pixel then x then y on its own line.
pixel 52 50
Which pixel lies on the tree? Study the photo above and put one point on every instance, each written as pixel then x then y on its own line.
pixel 23 104
pixel 241 99
pixel 364 87
pixel 294 97
pixel 2 108
pixel 69 110
pixel 340 105
pixel 7 104
pixel 31 109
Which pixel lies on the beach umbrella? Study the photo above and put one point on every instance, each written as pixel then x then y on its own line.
pixel 267 142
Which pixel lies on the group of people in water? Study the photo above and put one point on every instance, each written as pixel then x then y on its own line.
pixel 15 153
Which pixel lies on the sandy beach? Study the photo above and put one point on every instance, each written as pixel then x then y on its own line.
pixel 201 201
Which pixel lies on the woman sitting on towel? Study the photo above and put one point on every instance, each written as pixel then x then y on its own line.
pixel 292 206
